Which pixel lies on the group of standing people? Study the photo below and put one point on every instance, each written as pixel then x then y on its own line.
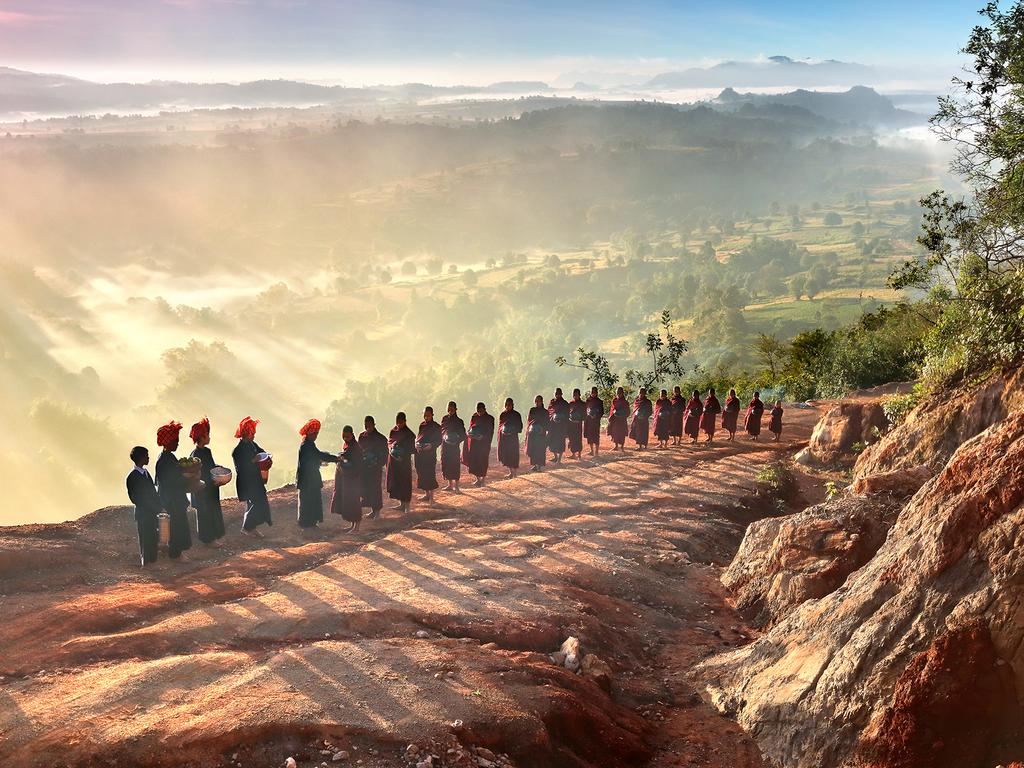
pixel 371 462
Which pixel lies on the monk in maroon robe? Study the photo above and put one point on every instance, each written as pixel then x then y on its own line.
pixel 428 440
pixel 618 420
pixel 752 422
pixel 401 447
pixel 592 424
pixel 731 414
pixel 348 482
pixel 678 404
pixel 558 425
pixel 775 424
pixel 476 453
pixel 640 429
pixel 537 434
pixel 374 447
pixel 694 410
pixel 510 425
pixel 577 415
pixel 663 419
pixel 711 410
pixel 453 433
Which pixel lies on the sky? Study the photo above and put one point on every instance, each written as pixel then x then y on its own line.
pixel 361 42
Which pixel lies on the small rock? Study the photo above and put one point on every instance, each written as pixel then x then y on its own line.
pixel 486 754
pixel 339 756
pixel 422 634
pixel 290 763
pixel 412 750
pixel 557 658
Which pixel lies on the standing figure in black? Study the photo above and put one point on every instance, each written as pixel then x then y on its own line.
pixel 427 442
pixel 143 495
pixel 453 433
pixel 374 448
pixel 308 480
pixel 170 483
pixel 537 434
pixel 401 447
pixel 248 479
pixel 206 500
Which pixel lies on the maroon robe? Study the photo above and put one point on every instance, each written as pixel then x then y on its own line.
pixel 510 424
pixel 775 425
pixel 427 442
pixel 453 433
pixel 374 447
pixel 577 415
pixel 348 483
pixel 678 404
pixel 711 410
pixel 663 418
pixel 640 429
pixel 592 424
pixel 558 425
pixel 618 420
pixel 694 409
pixel 537 435
pixel 730 414
pixel 476 453
pixel 752 422
pixel 401 447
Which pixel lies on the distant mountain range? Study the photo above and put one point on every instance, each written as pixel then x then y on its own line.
pixel 776 71
pixel 859 105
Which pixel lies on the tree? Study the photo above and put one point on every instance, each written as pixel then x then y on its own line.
pixel 408 269
pixel 833 219
pixel 771 354
pixel 796 286
pixel 666 357
pixel 434 265
pixel 470 278
pixel 857 229
pixel 599 372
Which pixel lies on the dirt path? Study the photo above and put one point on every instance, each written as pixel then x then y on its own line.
pixel 432 629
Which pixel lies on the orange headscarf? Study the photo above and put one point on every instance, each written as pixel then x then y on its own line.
pixel 200 429
pixel 313 425
pixel 166 434
pixel 247 428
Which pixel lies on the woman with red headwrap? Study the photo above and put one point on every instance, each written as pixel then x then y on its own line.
pixel 248 481
pixel 170 484
pixel 206 500
pixel 308 479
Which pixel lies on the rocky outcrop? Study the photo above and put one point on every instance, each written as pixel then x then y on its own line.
pixel 844 427
pixel 942 423
pixel 785 561
pixel 874 672
pixel 899 484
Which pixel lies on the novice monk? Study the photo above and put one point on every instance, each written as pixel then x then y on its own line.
pixel 537 434
pixel 209 517
pixel 453 433
pixel 752 422
pixel 577 415
pixel 694 411
pixel 640 429
pixel 558 425
pixel 248 481
pixel 775 425
pixel 678 404
pixel 711 410
pixel 592 425
pixel 428 440
pixel 170 483
pixel 476 454
pixel 618 420
pixel 308 480
pixel 348 482
pixel 374 448
pixel 731 414
pixel 143 495
pixel 401 447
pixel 510 424
pixel 663 419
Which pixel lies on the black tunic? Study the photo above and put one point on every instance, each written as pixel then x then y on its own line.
pixel 374 447
pixel 310 483
pixel 426 457
pixel 348 484
pixel 209 517
pixel 592 425
pixel 401 447
pixel 537 435
pixel 476 453
pixel 249 485
pixel 453 433
pixel 170 483
pixel 558 425
pixel 577 415
pixel 143 495
pixel 510 424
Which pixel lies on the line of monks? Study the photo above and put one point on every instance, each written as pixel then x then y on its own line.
pixel 371 457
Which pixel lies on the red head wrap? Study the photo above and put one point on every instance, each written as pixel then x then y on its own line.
pixel 166 435
pixel 313 425
pixel 247 428
pixel 200 429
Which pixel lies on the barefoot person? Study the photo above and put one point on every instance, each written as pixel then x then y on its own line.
pixel 374 448
pixel 618 420
pixel 558 425
pixel 592 425
pixel 577 416
pixel 347 500
pixel 308 480
pixel 711 410
pixel 401 447
pixel 206 500
pixel 143 495
pixel 510 425
pixel 694 411
pixel 752 422
pixel 453 434
pixel 428 440
pixel 476 453
pixel 248 480
pixel 170 484
pixel 537 434
pixel 663 419
pixel 640 429
pixel 678 405
pixel 731 414
pixel 775 423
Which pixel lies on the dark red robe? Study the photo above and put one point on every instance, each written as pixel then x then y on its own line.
pixel 694 410
pixel 618 420
pixel 678 404
pixel 592 424
pixel 348 483
pixel 476 453
pixel 453 433
pixel 558 425
pixel 752 422
pixel 730 414
pixel 427 442
pixel 374 447
pixel 537 435
pixel 510 424
pixel 640 429
pixel 663 418
pixel 775 425
pixel 577 415
pixel 401 447
pixel 711 410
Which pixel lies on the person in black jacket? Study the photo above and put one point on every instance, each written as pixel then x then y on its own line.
pixel 143 495
pixel 308 479
pixel 206 500
pixel 170 483
pixel 248 481
pixel 374 448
